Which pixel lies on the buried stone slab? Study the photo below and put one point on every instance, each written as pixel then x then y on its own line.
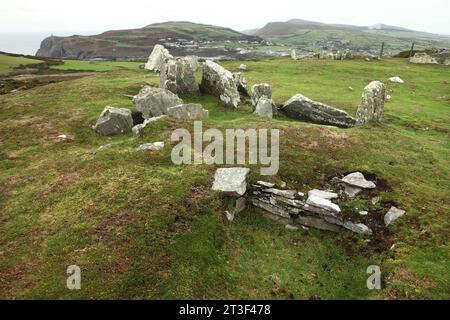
pixel 235 206
pixel 371 108
pixel 323 194
pixel 392 215
pixel 113 121
pixel 219 82
pixel 302 108
pixel 190 111
pixel 323 204
pixel 154 102
pixel 155 146
pixel 139 127
pixel 231 181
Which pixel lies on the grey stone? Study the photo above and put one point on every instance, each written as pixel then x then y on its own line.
pixel 423 58
pixel 154 102
pixel 323 204
pixel 156 146
pixel 302 108
pixel 371 108
pixel 264 108
pixel 290 194
pixel 323 194
pixel 193 62
pixel 157 58
pixel 232 181
pixel 273 209
pixel 235 207
pixel 352 191
pixel 363 213
pixel 178 76
pixel 139 127
pixel 396 80
pixel 241 83
pixel 290 227
pixel 357 179
pixel 220 82
pixel 317 223
pixel 392 215
pixel 358 228
pixel 258 91
pixel 190 111
pixel 243 67
pixel 114 121
pixel 265 184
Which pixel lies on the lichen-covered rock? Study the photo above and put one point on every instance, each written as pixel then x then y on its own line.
pixel 219 82
pixel 193 61
pixel 302 108
pixel 264 108
pixel 114 121
pixel 423 58
pixel 392 215
pixel 260 90
pixel 155 146
pixel 190 111
pixel 357 179
pixel 139 127
pixel 243 67
pixel 178 76
pixel 371 108
pixel 157 58
pixel 300 55
pixel 231 181
pixel 154 102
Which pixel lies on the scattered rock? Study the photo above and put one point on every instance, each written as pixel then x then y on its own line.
pixel 232 181
pixel 190 111
pixel 243 67
pixel 317 223
pixel 178 76
pixel 363 213
pixel 352 191
pixel 266 184
pixel 264 108
pixel 157 58
pixel 154 102
pixel 283 184
pixel 323 194
pixel 392 215
pixel 156 146
pixel 235 207
pixel 138 128
pixel 290 194
pixel 396 80
pixel 357 179
pixel 358 228
pixel 371 108
pixel 375 200
pixel 423 58
pixel 301 108
pixel 220 82
pixel 114 121
pixel 62 137
pixel 290 227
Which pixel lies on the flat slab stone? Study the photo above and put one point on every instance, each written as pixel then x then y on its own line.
pixel 323 194
pixel 358 228
pixel 156 146
pixel 186 112
pixel 323 204
pixel 290 194
pixel 352 191
pixel 265 184
pixel 232 181
pixel 357 179
pixel 392 215
pixel 113 121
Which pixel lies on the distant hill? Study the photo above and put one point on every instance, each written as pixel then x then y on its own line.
pixel 138 43
pixel 311 35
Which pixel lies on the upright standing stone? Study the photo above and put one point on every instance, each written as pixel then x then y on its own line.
pixel 178 76
pixel 219 82
pixel 258 91
pixel 264 108
pixel 371 108
pixel 241 83
pixel 157 58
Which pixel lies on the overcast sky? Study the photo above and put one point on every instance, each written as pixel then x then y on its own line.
pixel 96 16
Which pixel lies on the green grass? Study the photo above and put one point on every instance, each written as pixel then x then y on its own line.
pixel 83 65
pixel 140 227
pixel 8 63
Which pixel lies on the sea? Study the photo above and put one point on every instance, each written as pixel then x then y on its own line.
pixel 28 43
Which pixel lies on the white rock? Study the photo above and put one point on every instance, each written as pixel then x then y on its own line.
pixel 290 227
pixel 392 215
pixel 323 194
pixel 157 57
pixel 62 137
pixel 243 67
pixel 323 204
pixel 265 184
pixel 396 80
pixel 363 213
pixel 156 146
pixel 139 127
pixel 231 180
pixel 358 228
pixel 290 194
pixel 357 179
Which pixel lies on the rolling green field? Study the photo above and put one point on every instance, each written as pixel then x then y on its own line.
pixel 7 63
pixel 140 227
pixel 83 65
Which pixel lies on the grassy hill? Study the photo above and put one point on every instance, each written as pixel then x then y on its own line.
pixel 137 43
pixel 315 36
pixel 140 227
pixel 9 62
